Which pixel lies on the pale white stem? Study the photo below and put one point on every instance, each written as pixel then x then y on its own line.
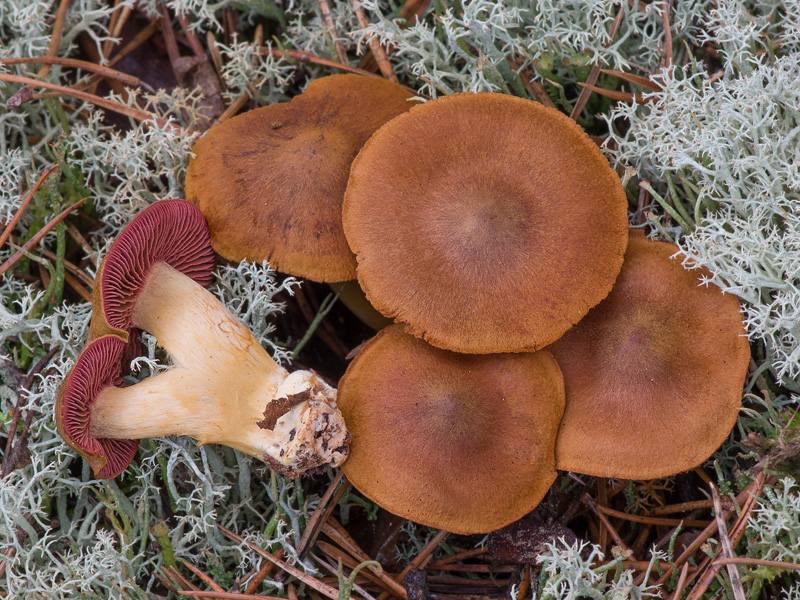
pixel 220 386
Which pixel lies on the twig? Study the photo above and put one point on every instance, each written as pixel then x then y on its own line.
pixel 169 40
pixel 133 113
pixel 340 556
pixel 216 55
pixel 411 11
pixel 727 548
pixel 38 236
pixel 374 45
pixel 25 201
pixel 602 499
pixel 746 498
pixel 76 235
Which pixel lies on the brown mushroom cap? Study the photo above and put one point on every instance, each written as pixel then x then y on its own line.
pixel 99 366
pixel 654 373
pixel 484 222
pixel 271 181
pixel 460 442
pixel 170 231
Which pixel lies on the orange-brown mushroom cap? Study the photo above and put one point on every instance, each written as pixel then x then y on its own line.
pixel 654 373
pixel 459 442
pixel 484 222
pixel 271 181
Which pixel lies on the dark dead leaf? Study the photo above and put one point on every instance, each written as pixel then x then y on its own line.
pixel 526 539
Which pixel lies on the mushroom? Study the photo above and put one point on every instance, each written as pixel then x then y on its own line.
pixel 654 373
pixel 484 222
pixel 460 442
pixel 271 181
pixel 223 388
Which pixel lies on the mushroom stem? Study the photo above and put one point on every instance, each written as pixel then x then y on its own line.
pixel 224 388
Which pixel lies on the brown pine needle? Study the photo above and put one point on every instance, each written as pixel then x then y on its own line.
pixel 758 562
pixel 206 579
pixel 77 286
pixel 681 582
pixel 667 35
pixel 337 534
pixel 133 113
pixel 320 514
pixel 55 37
pixel 15 258
pixel 74 63
pixel 727 548
pixel 448 560
pixel 333 571
pixel 323 588
pixel 634 79
pixel 651 520
pixel 374 45
pixel 227 595
pixel 596 508
pixel 28 197
pixel 615 95
pixel 112 26
pixel 683 507
pixel 313 58
pixel 337 43
pixel 583 98
pixel 420 560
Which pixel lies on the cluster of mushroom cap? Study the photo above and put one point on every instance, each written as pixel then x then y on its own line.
pixel 493 229
pixel 223 387
pixel 487 227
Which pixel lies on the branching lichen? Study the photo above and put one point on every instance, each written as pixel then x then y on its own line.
pixel 732 148
pixel 568 574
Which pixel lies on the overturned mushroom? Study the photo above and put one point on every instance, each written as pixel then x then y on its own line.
pixel 223 388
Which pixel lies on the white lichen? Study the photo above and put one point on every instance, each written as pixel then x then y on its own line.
pixel 570 574
pixel 731 146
